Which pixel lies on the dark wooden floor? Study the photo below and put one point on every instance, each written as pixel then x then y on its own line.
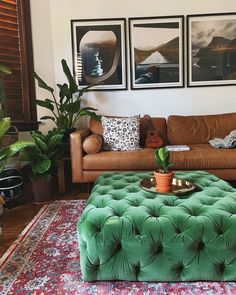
pixel 16 219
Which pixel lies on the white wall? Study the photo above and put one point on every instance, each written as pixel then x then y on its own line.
pixel 52 42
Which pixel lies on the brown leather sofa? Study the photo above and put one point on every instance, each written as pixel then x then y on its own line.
pixel 194 131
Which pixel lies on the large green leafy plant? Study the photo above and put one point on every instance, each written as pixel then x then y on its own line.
pixel 66 110
pixel 12 149
pixel 4 70
pixel 42 157
pixel 162 156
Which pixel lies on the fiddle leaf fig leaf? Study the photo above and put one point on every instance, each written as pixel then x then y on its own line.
pixel 162 156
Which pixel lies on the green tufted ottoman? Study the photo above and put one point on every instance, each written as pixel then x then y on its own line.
pixel 126 233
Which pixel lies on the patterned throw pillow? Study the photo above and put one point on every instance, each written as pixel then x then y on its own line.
pixel 121 134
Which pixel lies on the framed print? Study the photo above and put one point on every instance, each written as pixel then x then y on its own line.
pixel 156 52
pixel 211 46
pixel 99 53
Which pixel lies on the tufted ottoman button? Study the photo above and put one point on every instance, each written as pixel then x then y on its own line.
pixel 200 246
pixel 96 265
pixel 137 269
pixel 221 267
pixel 177 269
pixel 98 229
pixel 178 231
pixel 117 246
pixel 157 249
pixel 137 231
pixel 117 214
pixel 219 230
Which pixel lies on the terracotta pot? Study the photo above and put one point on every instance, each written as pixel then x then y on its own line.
pixel 163 181
pixel 42 191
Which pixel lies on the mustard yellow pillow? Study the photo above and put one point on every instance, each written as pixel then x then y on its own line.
pixel 92 144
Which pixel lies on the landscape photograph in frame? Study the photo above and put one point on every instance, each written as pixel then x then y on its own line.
pixel 156 52
pixel 99 53
pixel 211 49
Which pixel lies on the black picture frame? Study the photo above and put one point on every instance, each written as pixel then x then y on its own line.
pixel 156 46
pixel 99 53
pixel 211 49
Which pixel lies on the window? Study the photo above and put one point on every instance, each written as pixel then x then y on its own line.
pixel 16 52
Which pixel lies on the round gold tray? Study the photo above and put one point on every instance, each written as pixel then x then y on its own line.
pixel 179 186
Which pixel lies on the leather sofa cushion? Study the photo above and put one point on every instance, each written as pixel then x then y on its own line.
pixel 200 156
pixel 199 129
pixel 95 126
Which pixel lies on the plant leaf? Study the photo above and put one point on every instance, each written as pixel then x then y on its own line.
pixel 41 167
pixel 64 92
pixel 46 104
pixel 85 88
pixel 19 145
pixel 2 165
pixel 42 84
pixel 3 99
pixel 47 118
pixel 54 141
pixel 87 111
pixel 39 141
pixel 62 122
pixel 5 70
pixel 72 84
pixel 72 108
pixel 5 124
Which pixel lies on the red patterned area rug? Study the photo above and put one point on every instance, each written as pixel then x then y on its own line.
pixel 45 260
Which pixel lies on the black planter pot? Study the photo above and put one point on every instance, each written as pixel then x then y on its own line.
pixel 42 191
pixel 66 139
pixel 11 187
pixel 66 135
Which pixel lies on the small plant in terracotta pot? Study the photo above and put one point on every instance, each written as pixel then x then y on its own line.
pixel 163 176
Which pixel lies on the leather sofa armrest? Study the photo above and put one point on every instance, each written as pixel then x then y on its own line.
pixel 76 152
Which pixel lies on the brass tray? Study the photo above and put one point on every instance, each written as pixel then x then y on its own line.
pixel 179 186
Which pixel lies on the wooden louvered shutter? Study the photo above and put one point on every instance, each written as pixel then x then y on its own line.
pixel 16 52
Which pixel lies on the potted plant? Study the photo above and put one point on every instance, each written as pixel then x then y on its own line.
pixel 66 110
pixel 11 135
pixel 42 163
pixel 11 183
pixel 163 176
